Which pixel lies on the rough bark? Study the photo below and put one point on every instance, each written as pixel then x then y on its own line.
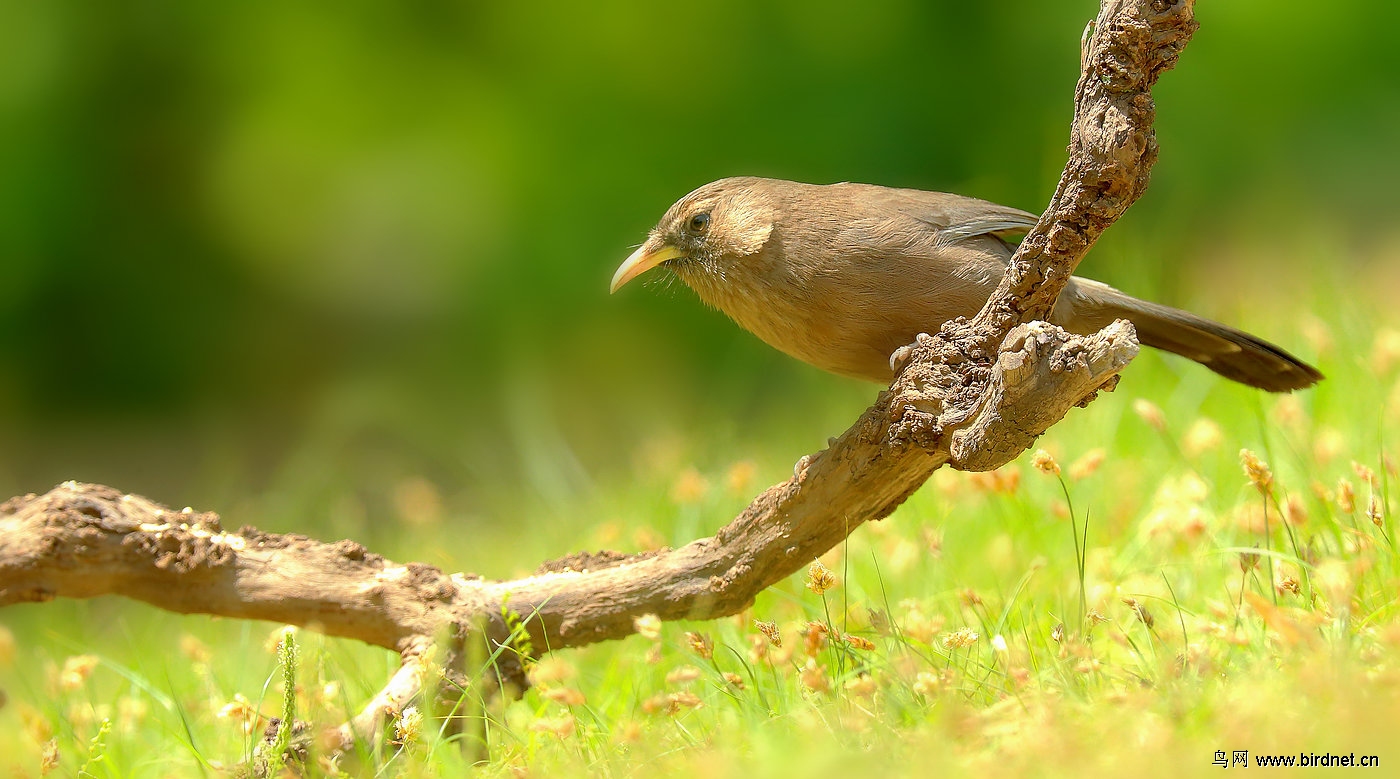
pixel 974 396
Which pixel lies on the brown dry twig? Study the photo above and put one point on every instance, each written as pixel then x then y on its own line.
pixel 974 396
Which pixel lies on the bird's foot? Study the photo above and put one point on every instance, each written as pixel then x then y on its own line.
pixel 1084 45
pixel 799 469
pixel 900 358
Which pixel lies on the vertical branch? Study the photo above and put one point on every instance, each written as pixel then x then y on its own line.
pixel 1112 149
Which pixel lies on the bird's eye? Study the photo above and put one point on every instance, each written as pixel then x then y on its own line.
pixel 699 223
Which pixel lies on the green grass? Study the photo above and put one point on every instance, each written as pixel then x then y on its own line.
pixel 1190 644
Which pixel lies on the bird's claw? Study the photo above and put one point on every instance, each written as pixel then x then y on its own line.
pixel 1084 45
pixel 900 358
pixel 799 469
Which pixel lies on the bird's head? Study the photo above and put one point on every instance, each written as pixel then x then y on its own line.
pixel 706 232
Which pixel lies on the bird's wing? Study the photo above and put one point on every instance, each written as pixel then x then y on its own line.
pixel 1001 225
pixel 958 218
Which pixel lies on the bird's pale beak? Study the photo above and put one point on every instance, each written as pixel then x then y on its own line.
pixel 648 256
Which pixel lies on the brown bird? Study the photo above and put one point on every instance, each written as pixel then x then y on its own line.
pixel 842 275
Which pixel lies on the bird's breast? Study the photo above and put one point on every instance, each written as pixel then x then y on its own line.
pixel 846 311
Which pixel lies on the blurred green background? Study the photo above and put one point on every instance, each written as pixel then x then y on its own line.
pixel 330 267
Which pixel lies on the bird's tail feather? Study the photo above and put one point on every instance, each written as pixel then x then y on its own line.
pixel 1232 353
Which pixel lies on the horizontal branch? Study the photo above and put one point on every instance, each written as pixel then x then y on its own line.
pixel 85 540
